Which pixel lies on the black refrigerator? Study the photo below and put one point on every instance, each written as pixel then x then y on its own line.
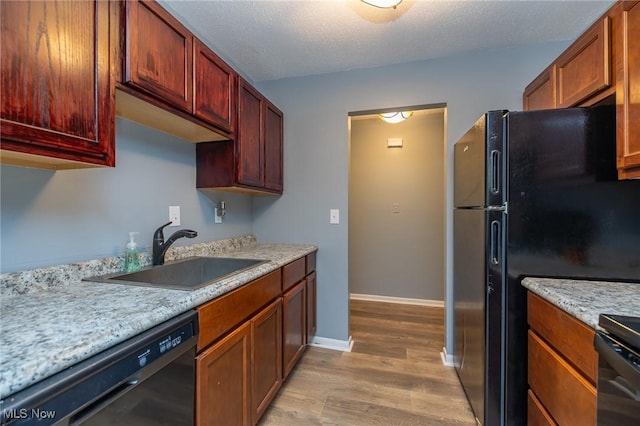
pixel 535 194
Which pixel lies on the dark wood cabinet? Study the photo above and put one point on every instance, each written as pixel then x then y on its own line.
pixel 158 55
pixel 628 89
pixel 273 146
pixel 266 357
pixel 250 141
pixel 293 326
pixel 215 88
pixel 253 162
pixel 58 105
pixel 223 381
pixel 311 297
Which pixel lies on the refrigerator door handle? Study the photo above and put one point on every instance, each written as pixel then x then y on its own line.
pixel 494 172
pixel 495 240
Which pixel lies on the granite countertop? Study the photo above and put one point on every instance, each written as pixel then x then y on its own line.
pixel 586 300
pixel 45 328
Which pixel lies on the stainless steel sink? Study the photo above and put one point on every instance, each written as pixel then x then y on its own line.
pixel 186 274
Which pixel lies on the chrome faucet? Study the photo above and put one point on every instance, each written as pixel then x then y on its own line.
pixel 160 247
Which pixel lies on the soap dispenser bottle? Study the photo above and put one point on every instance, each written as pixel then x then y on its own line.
pixel 131 258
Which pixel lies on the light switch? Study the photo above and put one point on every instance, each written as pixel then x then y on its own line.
pixel 395 208
pixel 334 216
pixel 174 215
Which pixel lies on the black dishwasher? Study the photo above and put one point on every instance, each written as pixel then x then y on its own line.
pixel 146 380
pixel 618 370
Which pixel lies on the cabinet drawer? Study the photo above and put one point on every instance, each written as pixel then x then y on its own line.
pixel 220 315
pixel 566 334
pixel 568 397
pixel 311 262
pixel 536 413
pixel 584 68
pixel 293 272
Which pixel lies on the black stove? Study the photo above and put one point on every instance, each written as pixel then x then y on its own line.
pixel 623 327
pixel 618 370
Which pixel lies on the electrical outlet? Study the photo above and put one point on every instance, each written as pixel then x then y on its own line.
pixel 174 215
pixel 216 218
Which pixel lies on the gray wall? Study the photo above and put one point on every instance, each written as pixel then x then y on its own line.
pixel 50 218
pixel 317 151
pixel 399 254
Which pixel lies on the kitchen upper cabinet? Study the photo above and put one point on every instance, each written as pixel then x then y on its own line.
pixel 58 106
pixel 601 66
pixel 250 143
pixel 273 146
pixel 215 88
pixel 158 54
pixel 584 69
pixel 541 92
pixel 251 163
pixel 628 89
pixel 578 74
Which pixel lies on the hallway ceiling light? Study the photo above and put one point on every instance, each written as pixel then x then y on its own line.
pixel 384 4
pixel 395 117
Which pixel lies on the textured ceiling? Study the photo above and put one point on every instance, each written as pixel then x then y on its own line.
pixel 274 39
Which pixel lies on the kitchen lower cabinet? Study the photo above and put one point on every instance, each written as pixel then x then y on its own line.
pixel 562 367
pixel 266 357
pixel 293 326
pixel 223 380
pixel 58 84
pixel 311 297
pixel 238 377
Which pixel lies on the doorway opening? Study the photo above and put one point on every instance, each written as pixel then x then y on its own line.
pixel 397 219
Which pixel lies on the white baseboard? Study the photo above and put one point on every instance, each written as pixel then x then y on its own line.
pixel 333 344
pixel 400 300
pixel 447 360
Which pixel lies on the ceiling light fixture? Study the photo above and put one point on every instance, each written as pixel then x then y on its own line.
pixel 395 117
pixel 383 4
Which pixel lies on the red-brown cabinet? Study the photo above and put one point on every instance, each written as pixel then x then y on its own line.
pixel 58 105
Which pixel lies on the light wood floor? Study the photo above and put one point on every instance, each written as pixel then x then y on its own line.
pixel 393 376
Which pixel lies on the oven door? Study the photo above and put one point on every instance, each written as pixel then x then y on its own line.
pixel 618 382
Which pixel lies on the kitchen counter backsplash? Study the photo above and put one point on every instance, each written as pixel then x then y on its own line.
pixel 24 282
pixel 586 300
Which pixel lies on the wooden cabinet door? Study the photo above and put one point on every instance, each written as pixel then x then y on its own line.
pixel 628 90
pixel 311 306
pixel 250 148
pixel 215 88
pixel 223 381
pixel 58 87
pixel 567 396
pixel 273 138
pixel 541 92
pixel 293 326
pixel 266 357
pixel 584 69
pixel 158 54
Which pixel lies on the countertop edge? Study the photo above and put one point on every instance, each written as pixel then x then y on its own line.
pixel 586 300
pixel 22 365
